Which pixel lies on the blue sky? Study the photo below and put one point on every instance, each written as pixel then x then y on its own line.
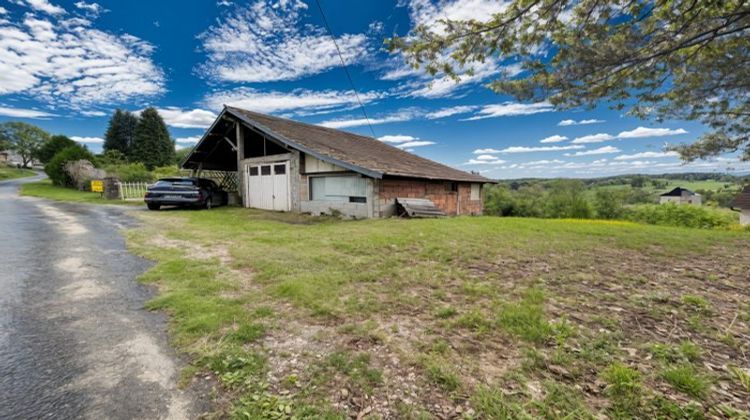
pixel 66 65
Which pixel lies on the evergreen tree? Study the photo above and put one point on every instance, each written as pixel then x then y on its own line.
pixel 151 142
pixel 120 131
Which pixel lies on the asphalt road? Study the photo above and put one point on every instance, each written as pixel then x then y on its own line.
pixel 75 341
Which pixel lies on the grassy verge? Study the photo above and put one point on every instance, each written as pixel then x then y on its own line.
pixel 12 173
pixel 462 317
pixel 45 189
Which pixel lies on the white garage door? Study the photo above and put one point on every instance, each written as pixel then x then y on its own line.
pixel 267 186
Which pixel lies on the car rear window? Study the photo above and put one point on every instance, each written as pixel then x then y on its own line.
pixel 173 183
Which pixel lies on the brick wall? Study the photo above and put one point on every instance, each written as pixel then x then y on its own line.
pixel 439 192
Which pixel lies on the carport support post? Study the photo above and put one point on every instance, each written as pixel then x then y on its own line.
pixel 240 154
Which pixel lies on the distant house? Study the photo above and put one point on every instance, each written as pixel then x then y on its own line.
pixel 680 195
pixel 286 165
pixel 742 203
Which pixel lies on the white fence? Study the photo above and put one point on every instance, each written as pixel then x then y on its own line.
pixel 132 190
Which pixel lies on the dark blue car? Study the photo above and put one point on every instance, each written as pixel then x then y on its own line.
pixel 185 192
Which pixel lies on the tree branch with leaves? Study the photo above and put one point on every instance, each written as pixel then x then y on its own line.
pixel 662 59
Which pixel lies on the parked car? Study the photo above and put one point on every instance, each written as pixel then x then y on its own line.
pixel 185 192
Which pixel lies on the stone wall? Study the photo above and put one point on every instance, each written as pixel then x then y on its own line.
pixel 439 192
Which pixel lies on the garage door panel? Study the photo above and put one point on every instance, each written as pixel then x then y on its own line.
pixel 268 186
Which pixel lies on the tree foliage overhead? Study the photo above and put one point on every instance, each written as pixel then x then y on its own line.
pixel 120 131
pixel 152 144
pixel 682 59
pixel 25 139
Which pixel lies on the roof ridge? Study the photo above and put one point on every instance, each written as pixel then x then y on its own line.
pixel 335 131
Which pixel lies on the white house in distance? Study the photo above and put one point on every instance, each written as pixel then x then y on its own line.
pixel 680 195
pixel 742 203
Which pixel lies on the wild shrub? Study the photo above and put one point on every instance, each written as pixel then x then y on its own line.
pixel 681 215
pixel 130 172
pixel 55 167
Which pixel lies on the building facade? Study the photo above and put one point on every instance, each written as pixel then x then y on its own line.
pixel 286 165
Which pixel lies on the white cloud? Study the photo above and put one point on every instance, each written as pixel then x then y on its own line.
pixel 429 13
pixel 600 151
pixel 403 141
pixel 188 140
pixel 88 140
pixel 646 155
pixel 650 132
pixel 486 157
pixel 94 113
pixel 297 100
pixel 580 122
pixel 397 138
pixel 484 162
pixel 419 143
pixel 23 113
pixel 481 151
pixel 553 139
pixel 447 112
pixel 195 118
pixel 593 138
pixel 93 9
pixel 46 7
pixel 525 149
pixel 266 41
pixel 509 109
pixel 69 64
pixel 404 115
pixel 3 10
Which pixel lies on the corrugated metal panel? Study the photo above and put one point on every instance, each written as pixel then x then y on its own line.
pixel 417 207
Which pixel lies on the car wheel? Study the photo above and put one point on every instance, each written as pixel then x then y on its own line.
pixel 209 203
pixel 153 206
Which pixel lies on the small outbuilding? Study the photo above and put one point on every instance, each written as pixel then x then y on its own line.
pixel 680 195
pixel 286 165
pixel 742 203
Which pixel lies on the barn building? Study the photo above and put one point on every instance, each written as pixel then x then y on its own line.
pixel 287 165
pixel 680 195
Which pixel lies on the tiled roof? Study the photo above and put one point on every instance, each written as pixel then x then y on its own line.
pixel 371 155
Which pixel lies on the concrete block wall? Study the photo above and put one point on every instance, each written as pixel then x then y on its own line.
pixel 353 210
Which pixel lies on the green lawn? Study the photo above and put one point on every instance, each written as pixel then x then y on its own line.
pixel 7 172
pixel 471 317
pixel 45 189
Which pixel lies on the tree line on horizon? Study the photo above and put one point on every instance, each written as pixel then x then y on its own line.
pixel 130 138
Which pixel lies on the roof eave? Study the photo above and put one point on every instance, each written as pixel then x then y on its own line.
pixel 205 135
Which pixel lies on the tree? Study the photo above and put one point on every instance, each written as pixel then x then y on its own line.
pixel 151 142
pixel 567 199
pixel 52 146
pixel 682 59
pixel 609 203
pixel 120 131
pixel 25 139
pixel 55 168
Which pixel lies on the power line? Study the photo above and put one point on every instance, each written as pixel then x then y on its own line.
pixel 346 69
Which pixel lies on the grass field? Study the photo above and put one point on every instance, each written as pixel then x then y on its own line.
pixel 45 189
pixel 11 173
pixel 454 318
